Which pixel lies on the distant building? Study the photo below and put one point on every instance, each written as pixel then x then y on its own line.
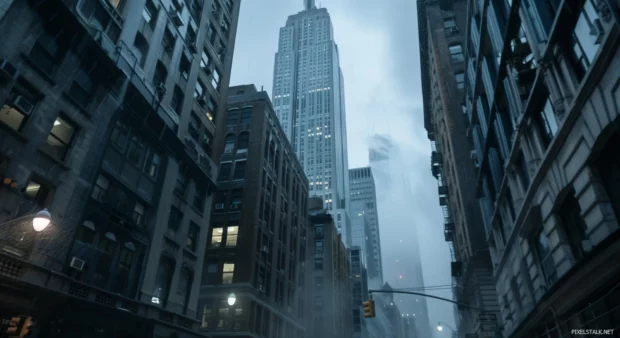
pixel 108 112
pixel 327 276
pixel 388 314
pixel 365 222
pixel 308 97
pixel 257 238
pixel 442 28
pixel 359 291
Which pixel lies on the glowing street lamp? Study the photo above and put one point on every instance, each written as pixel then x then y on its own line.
pixel 232 299
pixel 41 220
pixel 441 325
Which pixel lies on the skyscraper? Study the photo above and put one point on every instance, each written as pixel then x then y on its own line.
pixel 308 97
pixel 365 222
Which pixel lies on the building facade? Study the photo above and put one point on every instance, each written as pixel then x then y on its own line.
pixel 365 221
pixel 95 127
pixel 257 245
pixel 442 29
pixel 308 96
pixel 359 290
pixel 541 101
pixel 327 276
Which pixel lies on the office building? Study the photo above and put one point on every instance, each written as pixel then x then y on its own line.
pixel 400 248
pixel 365 221
pixel 442 31
pixel 327 277
pixel 257 239
pixel 96 126
pixel 541 102
pixel 308 96
pixel 388 315
pixel 359 291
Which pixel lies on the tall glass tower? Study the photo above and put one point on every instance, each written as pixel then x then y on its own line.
pixel 308 97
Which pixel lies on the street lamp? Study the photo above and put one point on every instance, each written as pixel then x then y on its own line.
pixel 41 220
pixel 440 326
pixel 232 299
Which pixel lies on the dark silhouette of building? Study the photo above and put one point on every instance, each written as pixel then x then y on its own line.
pixel 257 239
pixel 108 116
pixel 327 276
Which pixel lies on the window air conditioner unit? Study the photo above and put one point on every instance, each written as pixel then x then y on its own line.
pixel 77 263
pixel 193 48
pixel 23 105
pixel 7 70
pixel 597 31
pixel 177 19
pixel 219 206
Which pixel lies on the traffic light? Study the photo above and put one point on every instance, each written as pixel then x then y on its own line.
pixel 15 325
pixel 369 308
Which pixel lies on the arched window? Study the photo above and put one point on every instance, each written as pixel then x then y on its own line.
pixel 162 281
pixel 244 142
pixel 229 144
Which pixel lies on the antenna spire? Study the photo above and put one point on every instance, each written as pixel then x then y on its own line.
pixel 309 4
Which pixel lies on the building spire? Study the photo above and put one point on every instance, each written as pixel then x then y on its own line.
pixel 309 4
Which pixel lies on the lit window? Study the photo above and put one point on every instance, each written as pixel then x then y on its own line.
pixel 456 53
pixel 460 80
pixel 60 138
pixel 216 236
pixel 231 235
pixel 101 188
pixel 227 273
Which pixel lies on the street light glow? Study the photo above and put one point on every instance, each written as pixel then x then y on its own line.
pixel 41 220
pixel 439 327
pixel 232 299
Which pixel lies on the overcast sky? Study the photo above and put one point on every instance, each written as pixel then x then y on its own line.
pixel 379 56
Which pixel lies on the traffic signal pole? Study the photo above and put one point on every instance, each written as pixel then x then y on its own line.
pixel 423 295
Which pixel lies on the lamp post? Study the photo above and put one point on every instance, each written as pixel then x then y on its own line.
pixel 40 221
pixel 440 326
pixel 232 299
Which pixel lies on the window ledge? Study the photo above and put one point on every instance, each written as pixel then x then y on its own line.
pixel 54 159
pixel 81 108
pixel 38 69
pixel 19 136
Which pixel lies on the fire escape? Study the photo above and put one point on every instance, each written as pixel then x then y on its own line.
pixel 436 168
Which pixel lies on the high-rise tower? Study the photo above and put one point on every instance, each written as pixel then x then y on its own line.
pixel 308 97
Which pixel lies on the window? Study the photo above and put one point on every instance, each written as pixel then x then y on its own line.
pixel 211 276
pixel 184 66
pixel 15 111
pixel 318 231
pixel 101 188
pixel 318 263
pixel 141 48
pixel 204 60
pixel 215 80
pixel 225 171
pixel 136 151
pixel 229 144
pixel 160 75
pixel 123 270
pixel 149 13
pixel 549 122
pixel 246 116
pixel 233 118
pixel 60 138
pixel 244 142
pixel 206 141
pixel 108 243
pixel 239 170
pixel 152 166
pixel 83 86
pixel 51 47
pixel 190 35
pixel 574 225
pixel 460 80
pixel 162 282
pixel 544 256
pixel 217 234
pixel 227 273
pixel 449 23
pixel 36 191
pixel 86 233
pixel 181 185
pixel 199 90
pixel 523 172
pixel 456 53
pixel 192 236
pixel 199 197
pixel 120 135
pixel 318 248
pixel 235 200
pixel 184 287
pixel 176 103
pixel 231 235
pixel 587 38
pixel 174 222
pixel 194 126
pixel 168 42
pixel 138 214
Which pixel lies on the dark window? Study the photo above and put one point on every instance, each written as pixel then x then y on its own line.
pixel 574 225
pixel 523 172
pixel 83 85
pixel 184 66
pixel 544 256
pixel 185 287
pixel 233 117
pixel 236 199
pixel 460 80
pixel 318 263
pixel 318 231
pixel 141 47
pixel 199 90
pixel 244 142
pixel 86 234
pixel 162 282
pixel 160 75
pixel 119 136
pixel 174 222
pixel 138 214
pixel 168 41
pixel 60 138
pixel 123 270
pixel 36 192
pixel 101 188
pixel 212 109
pixel 194 126
pixel 190 35
pixel 225 172
pixel 149 13
pixel 207 139
pixel 199 197
pixel 239 170
pixel 153 164
pixel 211 276
pixel 136 152
pixel 229 144
pixel 51 47
pixel 318 249
pixel 192 236
pixel 177 100
pixel 246 116
pixel 181 185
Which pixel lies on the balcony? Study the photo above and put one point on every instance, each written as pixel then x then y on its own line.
pixel 436 158
pixel 443 190
pixel 449 236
